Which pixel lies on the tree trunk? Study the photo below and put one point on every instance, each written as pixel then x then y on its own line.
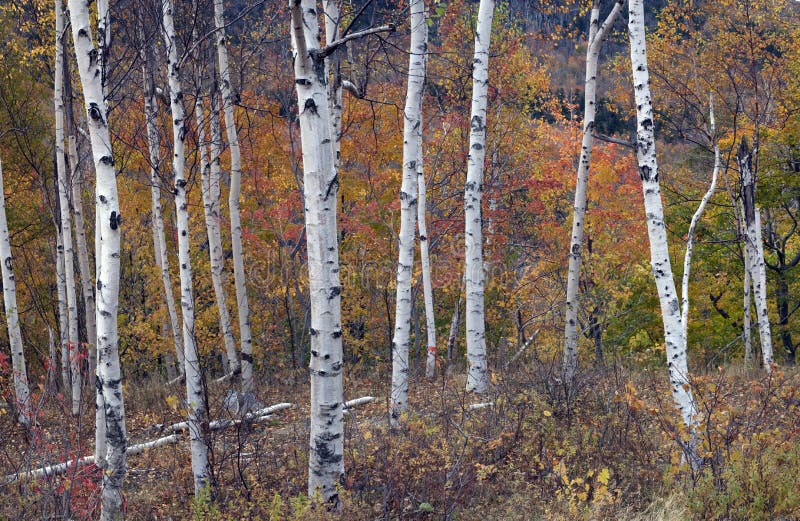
pixel 427 285
pixel 20 374
pixel 687 259
pixel 594 42
pixel 107 260
pixel 746 327
pixel 65 219
pixel 477 370
pixel 87 283
pixel 61 291
pixel 320 188
pixel 153 146
pixel 195 395
pixel 412 137
pixel 454 325
pixel 656 231
pixel 209 179
pixel 755 249
pixel 234 198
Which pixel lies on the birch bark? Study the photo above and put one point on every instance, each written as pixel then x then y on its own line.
pixel 153 146
pixel 87 283
pixel 20 373
pixel 477 370
pixel 320 187
pixel 234 198
pixel 412 136
pixel 597 33
pixel 209 180
pixel 687 259
pixel 107 234
pixel 746 327
pixel 195 397
pixel 65 219
pixel 755 249
pixel 61 291
pixel 427 284
pixel 656 231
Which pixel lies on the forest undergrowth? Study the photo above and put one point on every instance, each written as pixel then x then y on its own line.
pixel 606 451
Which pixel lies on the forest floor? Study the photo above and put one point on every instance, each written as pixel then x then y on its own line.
pixel 607 452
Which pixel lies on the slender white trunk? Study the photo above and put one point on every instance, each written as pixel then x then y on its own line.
pixel 234 198
pixel 594 43
pixel 107 234
pixel 412 138
pixel 76 173
pixel 61 292
pixel 195 397
pixel 210 180
pixel 687 259
pixel 153 146
pixel 20 376
pixel 332 19
pixel 477 370
pixel 755 249
pixel 656 231
pixel 320 188
pixel 65 219
pixel 427 285
pixel 746 327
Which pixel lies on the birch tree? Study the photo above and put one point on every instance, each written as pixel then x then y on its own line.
pixel 597 32
pixel 475 318
pixel 657 234
pixel 412 141
pixel 687 259
pixel 61 295
pixel 107 233
pixel 153 146
pixel 20 374
pixel 76 175
pixel 195 397
pixel 210 187
pixel 65 219
pixel 427 284
pixel 755 248
pixel 320 188
pixel 234 199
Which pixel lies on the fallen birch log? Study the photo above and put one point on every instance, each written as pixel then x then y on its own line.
pixel 175 430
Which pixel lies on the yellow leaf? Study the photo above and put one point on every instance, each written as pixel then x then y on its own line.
pixel 604 476
pixel 172 401
pixel 547 413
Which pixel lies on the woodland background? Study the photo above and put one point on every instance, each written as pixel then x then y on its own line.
pixel 608 451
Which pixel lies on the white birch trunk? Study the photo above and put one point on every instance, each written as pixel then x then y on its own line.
pixel 234 198
pixel 656 231
pixel 87 282
pixel 61 292
pixel 332 19
pixel 427 284
pixel 755 250
pixel 412 137
pixel 687 259
pixel 107 234
pixel 153 146
pixel 195 397
pixel 477 370
pixel 594 43
pixel 65 219
pixel 320 188
pixel 209 180
pixel 20 373
pixel 746 327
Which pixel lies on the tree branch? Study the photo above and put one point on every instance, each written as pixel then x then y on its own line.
pixel 331 47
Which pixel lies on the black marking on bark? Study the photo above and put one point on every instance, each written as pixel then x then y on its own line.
pixel 310 105
pixel 334 181
pixel 303 81
pixel 335 291
pixel 335 334
pixel 312 331
pixel 247 357
pixel 116 220
pixel 644 172
pixel 180 183
pixel 95 113
pixel 476 124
